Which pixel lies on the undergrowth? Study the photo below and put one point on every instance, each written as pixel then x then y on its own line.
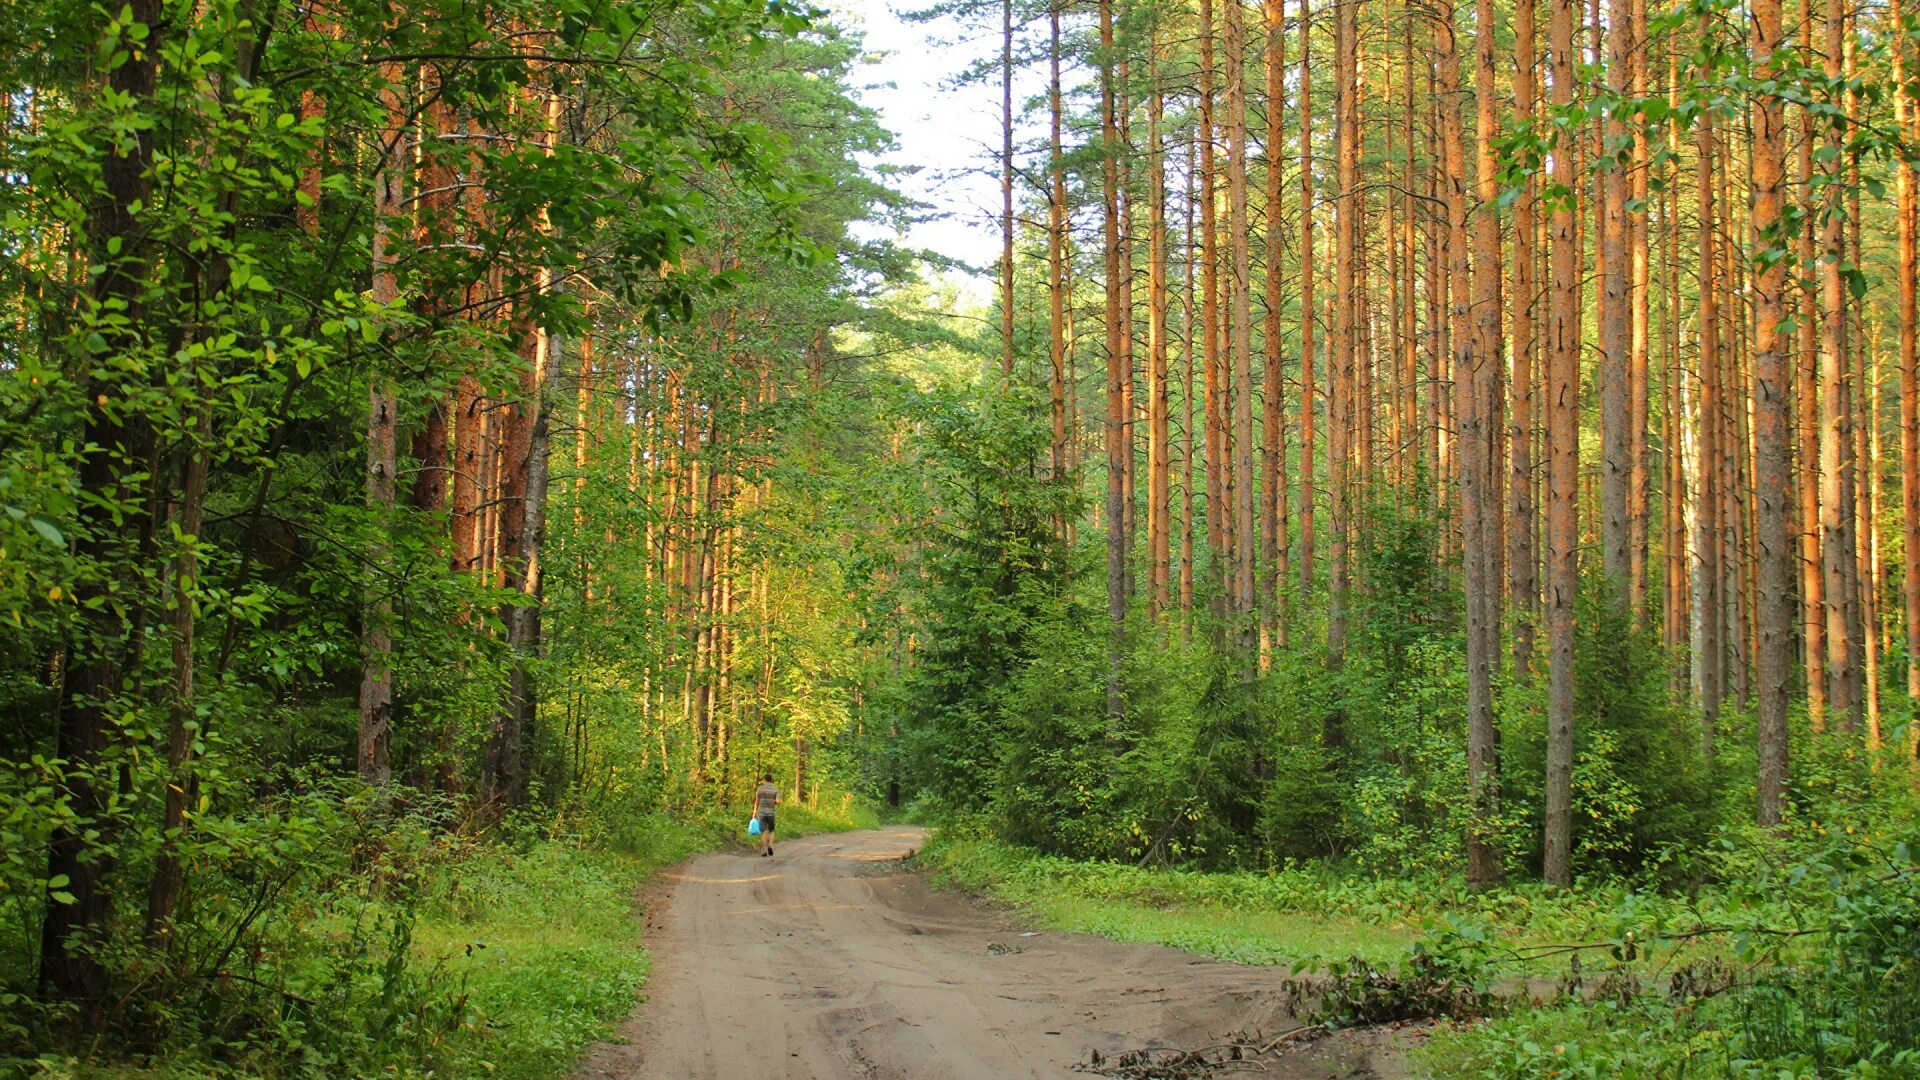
pixel 1802 959
pixel 400 947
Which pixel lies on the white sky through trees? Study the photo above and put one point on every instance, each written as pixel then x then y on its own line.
pixel 950 132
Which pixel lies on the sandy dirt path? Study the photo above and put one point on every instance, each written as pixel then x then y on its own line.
pixel 832 959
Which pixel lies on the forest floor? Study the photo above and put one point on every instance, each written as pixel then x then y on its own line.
pixel 836 959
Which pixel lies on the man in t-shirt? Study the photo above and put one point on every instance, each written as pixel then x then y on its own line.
pixel 765 798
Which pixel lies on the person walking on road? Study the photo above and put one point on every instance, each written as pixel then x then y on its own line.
pixel 765 798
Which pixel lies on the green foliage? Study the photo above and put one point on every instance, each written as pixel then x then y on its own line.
pixel 991 570
pixel 1814 976
pixel 1641 790
pixel 179 296
pixel 333 938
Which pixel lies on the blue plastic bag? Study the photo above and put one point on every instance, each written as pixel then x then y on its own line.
pixel 753 826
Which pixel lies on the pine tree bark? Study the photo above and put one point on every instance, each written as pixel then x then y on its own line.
pixel 1309 404
pixel 1273 524
pixel 1905 202
pixel 376 680
pixel 1616 466
pixel 1056 258
pixel 1219 514
pixel 1772 429
pixel 1639 393
pixel 1523 583
pixel 1240 336
pixel 1483 642
pixel 1129 398
pixel 169 871
pixel 1563 469
pixel 1119 450
pixel 1859 477
pixel 1813 619
pixel 1187 386
pixel 1674 501
pixel 1483 866
pixel 1341 361
pixel 503 772
pixel 1159 542
pixel 1709 650
pixel 1836 436
pixel 1006 189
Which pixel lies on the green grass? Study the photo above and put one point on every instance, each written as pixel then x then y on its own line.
pixel 562 959
pixel 544 945
pixel 1245 918
pixel 1775 1007
pixel 454 957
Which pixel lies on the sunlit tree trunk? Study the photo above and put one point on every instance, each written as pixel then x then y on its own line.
pixel 1773 369
pixel 1909 357
pixel 1836 437
pixel 1639 393
pixel 503 771
pixel 1813 616
pixel 1444 449
pixel 1674 499
pixel 1273 524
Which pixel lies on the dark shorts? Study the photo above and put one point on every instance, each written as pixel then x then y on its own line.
pixel 766 823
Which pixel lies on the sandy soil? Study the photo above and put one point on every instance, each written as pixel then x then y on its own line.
pixel 832 959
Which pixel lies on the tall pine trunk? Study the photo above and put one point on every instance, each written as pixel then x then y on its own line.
pixel 1273 523
pixel 1523 583
pixel 1056 258
pixel 1159 542
pixel 1340 362
pixel 1772 428
pixel 1309 404
pixel 1909 361
pixel 1006 189
pixel 376 680
pixel 1482 569
pixel 1563 468
pixel 1836 436
pixel 1616 466
pixel 1240 335
pixel 1119 448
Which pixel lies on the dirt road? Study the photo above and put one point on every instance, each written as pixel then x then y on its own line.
pixel 833 960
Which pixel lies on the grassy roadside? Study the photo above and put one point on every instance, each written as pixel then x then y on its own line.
pixel 1244 918
pixel 449 956
pixel 562 960
pixel 1805 968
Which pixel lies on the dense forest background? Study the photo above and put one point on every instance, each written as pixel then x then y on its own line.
pixel 446 450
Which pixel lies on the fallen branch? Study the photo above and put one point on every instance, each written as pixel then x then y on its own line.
pixel 1167 1063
